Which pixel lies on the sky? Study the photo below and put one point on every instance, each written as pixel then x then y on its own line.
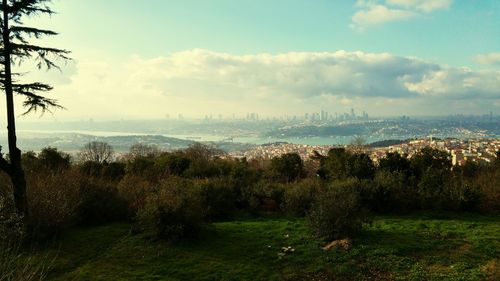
pixel 152 59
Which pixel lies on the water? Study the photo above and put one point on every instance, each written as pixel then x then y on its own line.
pixel 206 138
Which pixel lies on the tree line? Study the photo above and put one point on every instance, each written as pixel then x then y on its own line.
pixel 174 193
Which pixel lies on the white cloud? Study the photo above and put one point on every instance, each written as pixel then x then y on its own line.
pixel 375 12
pixel 458 83
pixel 199 82
pixel 421 5
pixel 378 14
pixel 300 75
pixel 491 58
pixel 339 77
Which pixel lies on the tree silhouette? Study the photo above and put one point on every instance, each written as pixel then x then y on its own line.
pixel 16 48
pixel 97 151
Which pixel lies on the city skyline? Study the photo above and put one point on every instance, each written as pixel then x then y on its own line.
pixel 386 57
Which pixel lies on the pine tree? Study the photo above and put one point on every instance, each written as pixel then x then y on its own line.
pixel 16 48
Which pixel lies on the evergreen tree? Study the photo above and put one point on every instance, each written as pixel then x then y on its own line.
pixel 16 48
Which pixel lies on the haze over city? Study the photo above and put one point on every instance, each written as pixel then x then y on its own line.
pixel 250 140
pixel 159 58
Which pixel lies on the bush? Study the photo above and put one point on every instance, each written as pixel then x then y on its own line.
pixel 242 178
pixel 218 197
pixel 113 171
pixel 134 190
pixel 337 212
pixel 389 193
pixel 437 191
pixel 342 164
pixel 264 196
pixel 287 167
pixel 100 203
pixel 91 168
pixel 487 184
pixel 59 200
pixel 173 211
pixel 201 169
pixel 142 166
pixel 429 159
pixel 299 196
pixel 172 163
pixel 49 159
pixel 52 159
pixel 53 202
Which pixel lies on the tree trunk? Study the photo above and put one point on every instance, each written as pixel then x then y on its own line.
pixel 16 172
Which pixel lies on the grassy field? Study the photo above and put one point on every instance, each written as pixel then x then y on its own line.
pixel 417 247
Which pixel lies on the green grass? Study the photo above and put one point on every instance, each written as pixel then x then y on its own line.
pixel 417 247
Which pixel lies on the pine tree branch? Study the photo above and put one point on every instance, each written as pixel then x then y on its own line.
pixel 26 51
pixel 19 33
pixel 35 103
pixel 28 7
pixel 32 30
pixel 28 48
pixel 31 87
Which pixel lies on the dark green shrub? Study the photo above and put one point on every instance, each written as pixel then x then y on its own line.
pixel 49 159
pixel 337 211
pixel 201 169
pixel 101 203
pixel 173 211
pixel 435 191
pixel 172 163
pixel 360 166
pixel 334 165
pixel 30 162
pixel 389 193
pixel 395 162
pixel 342 164
pixel 298 197
pixel 428 159
pixel 52 159
pixel 142 166
pixel 470 197
pixel 91 168
pixel 243 177
pixel 287 167
pixel 113 171
pixel 218 197
pixel 203 160
pixel 264 196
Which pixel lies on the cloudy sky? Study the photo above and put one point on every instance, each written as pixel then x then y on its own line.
pixel 147 59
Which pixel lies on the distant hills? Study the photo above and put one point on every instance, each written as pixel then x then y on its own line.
pixel 73 142
pixel 178 134
pixel 393 129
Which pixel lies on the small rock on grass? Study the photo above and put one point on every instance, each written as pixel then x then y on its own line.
pixel 344 244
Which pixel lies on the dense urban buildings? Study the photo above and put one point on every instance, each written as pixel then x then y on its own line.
pixel 460 151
